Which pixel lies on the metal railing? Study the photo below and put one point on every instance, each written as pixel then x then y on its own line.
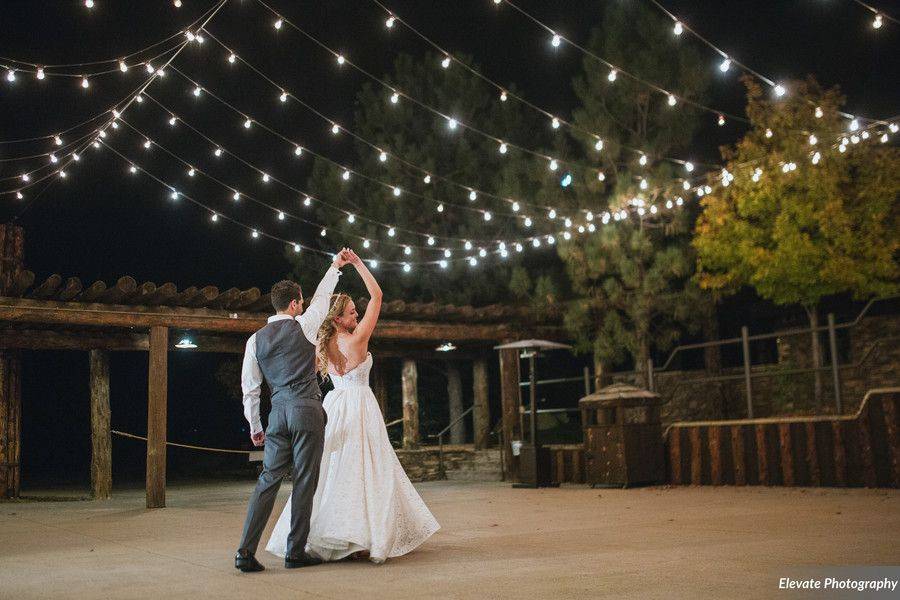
pixel 440 438
pixel 748 375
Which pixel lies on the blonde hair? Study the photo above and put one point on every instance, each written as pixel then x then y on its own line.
pixel 328 330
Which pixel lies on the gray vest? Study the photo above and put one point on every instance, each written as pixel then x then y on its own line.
pixel 287 360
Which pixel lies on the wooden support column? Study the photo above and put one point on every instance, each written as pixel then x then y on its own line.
pixel 156 417
pixel 455 403
pixel 13 279
pixel 410 380
pixel 481 415
pixel 101 442
pixel 379 386
pixel 511 402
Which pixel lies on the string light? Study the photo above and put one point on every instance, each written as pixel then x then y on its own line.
pixel 397 191
pixel 672 100
pixel 427 179
pixel 395 98
pixel 40 73
pixel 382 156
pixel 819 113
pixel 556 40
pixel 10 75
pixel 89 3
pixel 278 23
pixel 877 22
pixel 473 195
pixel 779 90
pixel 335 129
pixel 451 123
pixel 197 91
pixel 283 97
pixel 555 123
pixel 247 123
pixel 502 148
pixel 725 65
pixel 678 29
pixel 232 57
pixel 340 59
pixel 769 133
pixel 390 21
pixel 612 75
pixel 503 96
pixel 445 63
pixel 85 83
pixel 721 120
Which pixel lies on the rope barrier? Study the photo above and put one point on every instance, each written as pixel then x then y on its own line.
pixel 206 448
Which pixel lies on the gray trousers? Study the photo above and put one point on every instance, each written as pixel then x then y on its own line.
pixel 296 432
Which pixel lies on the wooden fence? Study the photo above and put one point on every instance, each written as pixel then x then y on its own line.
pixel 860 450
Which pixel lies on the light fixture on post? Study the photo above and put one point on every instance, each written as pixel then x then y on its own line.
pixel 446 347
pixel 186 344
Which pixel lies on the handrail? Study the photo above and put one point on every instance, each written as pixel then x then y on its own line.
pixel 763 336
pixel 454 422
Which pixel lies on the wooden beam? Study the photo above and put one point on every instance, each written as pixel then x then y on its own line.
pixel 481 416
pixel 455 403
pixel 113 341
pixel 47 289
pixel 71 289
pixel 16 310
pixel 511 403
pixel 101 438
pixel 156 417
pixel 410 380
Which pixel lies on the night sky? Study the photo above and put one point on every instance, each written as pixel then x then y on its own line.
pixel 101 224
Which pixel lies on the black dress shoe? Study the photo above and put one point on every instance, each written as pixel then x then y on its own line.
pixel 291 562
pixel 246 562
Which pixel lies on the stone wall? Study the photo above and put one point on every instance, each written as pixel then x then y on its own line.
pixel 869 357
pixel 423 464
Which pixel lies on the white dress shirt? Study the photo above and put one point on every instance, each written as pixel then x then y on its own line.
pixel 310 321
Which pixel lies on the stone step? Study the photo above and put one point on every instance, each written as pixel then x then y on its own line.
pixel 473 475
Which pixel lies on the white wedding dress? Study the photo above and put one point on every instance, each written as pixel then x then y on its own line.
pixel 364 500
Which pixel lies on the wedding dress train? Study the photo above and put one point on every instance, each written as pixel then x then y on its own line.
pixel 364 501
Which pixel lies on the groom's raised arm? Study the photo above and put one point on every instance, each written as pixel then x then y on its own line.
pixel 312 317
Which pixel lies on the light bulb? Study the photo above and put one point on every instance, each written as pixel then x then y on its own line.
pixel 854 139
pixel 382 156
pixel 265 177
pixel 19 195
pixel 390 21
pixel 283 97
pixel 668 204
pixel 442 263
pixel 819 112
pixel 85 83
pixel 298 150
pixel 440 208
pixel 487 216
pixel 644 185
pixel 473 195
pixel 254 234
pixel 247 123
pixel 612 75
pixel 816 157
pixel 335 129
pixel 57 140
pixel 430 240
pixel 725 65
pixel 278 23
pixel 190 35
pixel 307 201
pixel 451 123
pixel 864 135
pixel 468 245
pixel 813 140
pixel 132 169
pixel 515 206
pixel 893 127
pixel 40 73
pixel 395 98
pixel 877 22
pixel 296 247
pixel 191 172
pixel 779 90
pixel 854 124
pixel 527 221
pixel 345 175
pixel 232 57
pixel 139 99
pixel 89 3
pixel 150 68
pixel 553 164
pixel 391 232
pixel 642 160
pixel 406 268
pixel 721 120
pixel 672 100
pixel 236 196
pixel 503 96
pixel 689 167
pixel 555 123
pixel 556 40
pixel 769 133
pixel 601 176
pixel 427 179
pixel 685 185
pixel 10 76
pixel 323 233
pixel 397 192
pixel 197 91
pixel 536 242
pixel 598 145
pixel 172 121
pixel 448 253
pixel 174 195
pixel 407 250
pixel 114 125
pixel 552 213
pixel 884 138
pixel 177 3
pixel 503 148
pixel 340 59
pixel 678 29
pixel 445 63
pixel 373 263
pixel 280 216
pixel 26 177
pixel 366 243
pixel 53 158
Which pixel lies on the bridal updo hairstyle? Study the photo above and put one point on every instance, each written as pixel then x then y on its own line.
pixel 328 330
pixel 283 293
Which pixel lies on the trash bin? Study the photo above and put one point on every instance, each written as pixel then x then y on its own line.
pixel 622 437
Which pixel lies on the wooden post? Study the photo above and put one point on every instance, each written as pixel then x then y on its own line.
pixel 379 386
pixel 511 403
pixel 410 379
pixel 101 442
pixel 481 415
pixel 156 417
pixel 455 403
pixel 12 253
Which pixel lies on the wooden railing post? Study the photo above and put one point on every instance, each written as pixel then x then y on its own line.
pixel 481 416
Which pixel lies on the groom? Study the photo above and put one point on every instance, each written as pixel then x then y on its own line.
pixel 284 353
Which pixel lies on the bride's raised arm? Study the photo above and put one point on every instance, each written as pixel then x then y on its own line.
pixel 366 326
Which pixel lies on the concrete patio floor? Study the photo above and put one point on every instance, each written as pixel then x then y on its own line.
pixel 495 542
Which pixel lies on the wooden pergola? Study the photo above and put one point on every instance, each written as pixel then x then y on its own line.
pixel 64 314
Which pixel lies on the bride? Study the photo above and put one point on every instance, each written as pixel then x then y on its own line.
pixel 364 505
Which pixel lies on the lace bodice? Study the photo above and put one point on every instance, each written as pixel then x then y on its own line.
pixel 358 376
